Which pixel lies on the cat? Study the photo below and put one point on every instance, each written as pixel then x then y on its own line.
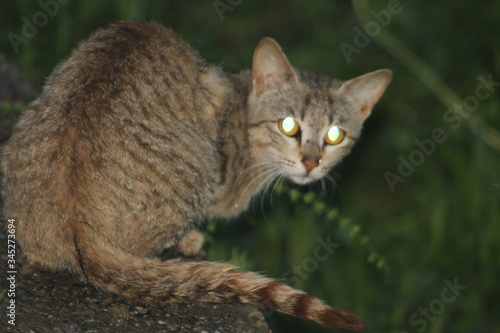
pixel 136 139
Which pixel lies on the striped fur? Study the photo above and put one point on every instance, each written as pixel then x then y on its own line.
pixel 136 139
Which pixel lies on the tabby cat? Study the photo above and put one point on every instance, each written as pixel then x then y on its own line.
pixel 136 139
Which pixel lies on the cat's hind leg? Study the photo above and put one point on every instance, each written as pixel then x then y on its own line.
pixel 191 244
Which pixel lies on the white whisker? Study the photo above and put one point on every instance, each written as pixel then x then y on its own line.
pixel 278 182
pixel 265 179
pixel 322 193
pixel 264 176
pixel 267 183
pixel 246 171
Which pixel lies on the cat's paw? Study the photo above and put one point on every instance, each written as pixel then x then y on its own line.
pixel 191 244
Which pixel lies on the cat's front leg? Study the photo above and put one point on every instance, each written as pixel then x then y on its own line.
pixel 191 244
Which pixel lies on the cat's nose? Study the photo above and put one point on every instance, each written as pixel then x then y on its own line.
pixel 310 164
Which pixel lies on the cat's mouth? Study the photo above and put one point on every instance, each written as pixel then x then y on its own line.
pixel 302 179
pixel 301 173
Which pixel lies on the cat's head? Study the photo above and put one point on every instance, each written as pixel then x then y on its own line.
pixel 303 123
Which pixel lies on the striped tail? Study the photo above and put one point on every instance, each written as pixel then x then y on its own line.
pixel 174 281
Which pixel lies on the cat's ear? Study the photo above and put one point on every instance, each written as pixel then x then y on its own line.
pixel 365 90
pixel 270 67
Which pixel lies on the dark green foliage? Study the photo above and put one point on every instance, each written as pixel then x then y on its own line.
pixel 396 249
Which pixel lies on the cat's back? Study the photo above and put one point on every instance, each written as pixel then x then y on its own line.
pixel 131 62
pixel 126 127
pixel 128 72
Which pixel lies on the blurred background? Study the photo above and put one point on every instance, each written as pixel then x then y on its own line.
pixel 408 235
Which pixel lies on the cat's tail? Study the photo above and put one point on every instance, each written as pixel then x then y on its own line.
pixel 173 281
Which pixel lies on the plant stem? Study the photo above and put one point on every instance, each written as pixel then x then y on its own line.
pixel 427 76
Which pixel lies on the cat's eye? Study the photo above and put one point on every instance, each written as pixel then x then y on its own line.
pixel 289 126
pixel 334 136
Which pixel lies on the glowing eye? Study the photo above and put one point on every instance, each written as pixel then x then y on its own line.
pixel 334 136
pixel 289 126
